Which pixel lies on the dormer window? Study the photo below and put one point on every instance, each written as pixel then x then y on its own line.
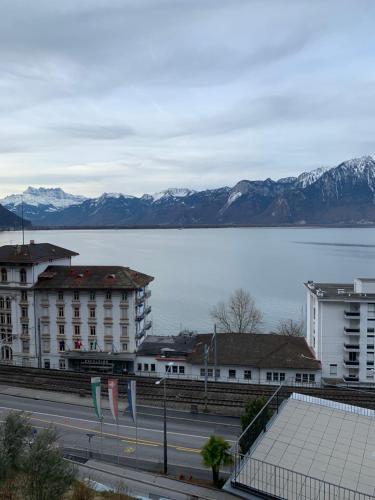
pixel 4 274
pixel 23 275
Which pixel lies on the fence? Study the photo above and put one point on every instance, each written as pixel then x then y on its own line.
pixel 272 481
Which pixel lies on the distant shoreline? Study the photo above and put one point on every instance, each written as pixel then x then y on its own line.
pixel 195 226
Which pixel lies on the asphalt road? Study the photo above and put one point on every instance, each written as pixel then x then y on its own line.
pixel 186 432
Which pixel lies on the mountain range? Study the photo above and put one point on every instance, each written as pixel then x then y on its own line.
pixel 344 194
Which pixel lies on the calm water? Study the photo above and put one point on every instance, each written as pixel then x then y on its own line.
pixel 195 268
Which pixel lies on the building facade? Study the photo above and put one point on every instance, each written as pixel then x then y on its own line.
pixel 341 329
pixel 244 358
pixel 55 315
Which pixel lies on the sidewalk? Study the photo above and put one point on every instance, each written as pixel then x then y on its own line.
pixel 54 397
pixel 140 482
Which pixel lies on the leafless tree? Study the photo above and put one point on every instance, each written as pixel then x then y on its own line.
pixel 291 328
pixel 238 315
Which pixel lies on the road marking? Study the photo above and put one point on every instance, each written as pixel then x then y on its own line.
pixel 128 439
pixel 160 431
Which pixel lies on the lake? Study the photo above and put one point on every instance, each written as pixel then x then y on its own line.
pixel 196 268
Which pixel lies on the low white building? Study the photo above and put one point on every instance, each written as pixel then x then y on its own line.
pixel 240 357
pixel 55 315
pixel 341 328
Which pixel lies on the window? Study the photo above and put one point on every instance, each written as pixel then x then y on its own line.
pixel 181 370
pixel 108 346
pixel 232 373
pixel 312 378
pixel 124 346
pixel 76 295
pixel 139 367
pixel 108 330
pixel 247 374
pixel 93 345
pixel 282 377
pixel 62 364
pixel 124 313
pixel 9 319
pixel 25 346
pixel 93 330
pixel 2 303
pixel 23 295
pixel 24 312
pixel 4 274
pixel 298 377
pixel 25 329
pixel 62 345
pixel 92 312
pixel 61 311
pixel 108 312
pixel 152 367
pixel 333 369
pixel 60 295
pixel 2 318
pixel 23 275
pixel 47 364
pixel 77 330
pixel 275 376
pixel 369 373
pixel 124 296
pixel 61 329
pixel 203 372
pixel 7 303
pixel 352 356
pixel 371 310
pixel 305 378
pixel 145 367
pixel 92 295
pixel 124 331
pixel 217 372
pixel 46 345
pixel 76 312
pixel 174 369
pixel 269 376
pixel 108 295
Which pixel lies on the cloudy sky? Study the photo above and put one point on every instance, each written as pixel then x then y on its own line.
pixel 136 96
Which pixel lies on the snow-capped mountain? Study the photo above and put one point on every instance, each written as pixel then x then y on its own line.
pixel 344 194
pixel 53 197
pixel 171 193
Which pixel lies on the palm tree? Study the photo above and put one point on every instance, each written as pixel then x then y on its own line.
pixel 215 453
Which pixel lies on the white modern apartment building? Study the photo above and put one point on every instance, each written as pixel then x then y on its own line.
pixel 55 315
pixel 341 328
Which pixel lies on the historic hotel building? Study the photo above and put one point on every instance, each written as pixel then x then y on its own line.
pixel 55 315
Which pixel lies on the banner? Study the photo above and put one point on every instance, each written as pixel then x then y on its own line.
pixel 96 395
pixel 113 397
pixel 132 400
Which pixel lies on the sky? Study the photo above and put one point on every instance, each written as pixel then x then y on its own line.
pixel 136 96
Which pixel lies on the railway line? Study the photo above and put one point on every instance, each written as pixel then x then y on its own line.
pixel 180 392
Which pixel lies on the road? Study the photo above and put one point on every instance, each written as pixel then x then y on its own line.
pixel 125 443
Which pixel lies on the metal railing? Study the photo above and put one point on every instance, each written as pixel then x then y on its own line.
pixel 275 482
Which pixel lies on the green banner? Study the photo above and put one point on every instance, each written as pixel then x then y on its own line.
pixel 96 396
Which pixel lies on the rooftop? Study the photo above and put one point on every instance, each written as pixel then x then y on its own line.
pixel 168 346
pixel 312 440
pixel 262 350
pixel 33 253
pixel 360 289
pixel 91 277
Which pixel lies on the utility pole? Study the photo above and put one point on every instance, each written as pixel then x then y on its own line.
pixel 215 353
pixel 158 382
pixel 205 375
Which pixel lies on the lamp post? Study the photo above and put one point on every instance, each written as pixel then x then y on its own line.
pixel 90 435
pixel 158 382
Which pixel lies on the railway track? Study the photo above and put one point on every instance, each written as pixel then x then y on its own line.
pixel 225 394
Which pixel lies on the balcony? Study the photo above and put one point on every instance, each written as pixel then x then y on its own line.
pixel 352 314
pixel 351 364
pixel 351 378
pixel 147 310
pixel 148 294
pixel 139 316
pixel 140 299
pixel 351 347
pixel 352 331
pixel 148 325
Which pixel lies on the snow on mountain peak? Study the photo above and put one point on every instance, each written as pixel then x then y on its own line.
pixel 307 178
pixel 53 197
pixel 358 165
pixel 172 193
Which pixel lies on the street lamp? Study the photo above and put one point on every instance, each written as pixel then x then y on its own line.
pixel 158 382
pixel 90 435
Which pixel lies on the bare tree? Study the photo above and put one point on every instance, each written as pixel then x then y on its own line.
pixel 291 327
pixel 238 315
